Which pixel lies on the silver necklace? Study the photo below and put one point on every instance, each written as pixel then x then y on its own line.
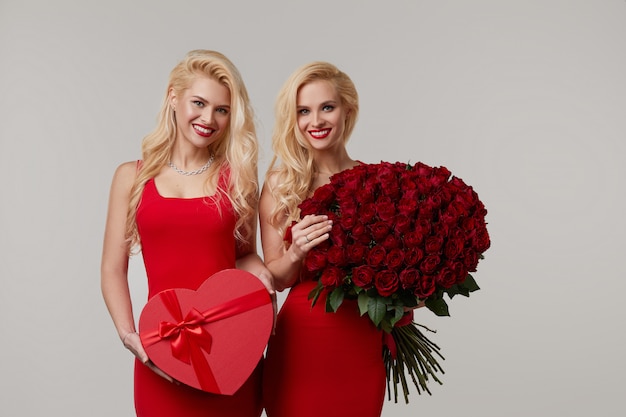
pixel 197 171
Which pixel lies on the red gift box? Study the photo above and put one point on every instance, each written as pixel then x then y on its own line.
pixel 212 338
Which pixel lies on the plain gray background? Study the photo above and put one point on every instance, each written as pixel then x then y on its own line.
pixel 525 100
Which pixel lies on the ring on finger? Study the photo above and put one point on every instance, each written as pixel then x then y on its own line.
pixel 307 238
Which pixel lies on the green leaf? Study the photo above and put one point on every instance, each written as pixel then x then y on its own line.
pixel 438 306
pixel 315 293
pixel 336 298
pixel 470 284
pixel 398 314
pixel 457 289
pixel 386 326
pixel 376 309
pixel 363 302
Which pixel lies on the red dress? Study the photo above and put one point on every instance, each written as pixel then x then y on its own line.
pixel 185 241
pixel 323 364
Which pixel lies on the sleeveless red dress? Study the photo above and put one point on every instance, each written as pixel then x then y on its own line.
pixel 183 242
pixel 322 364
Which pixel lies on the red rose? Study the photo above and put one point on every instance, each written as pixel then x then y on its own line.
pixel 376 256
pixel 408 205
pixel 414 238
pixel 323 195
pixel 479 209
pixel 347 221
pixel 360 234
pixel 336 255
pixel 315 261
pixel 413 256
pixel 470 259
pixel 370 188
pixel 402 225
pixel 366 213
pixel 394 259
pixel 430 205
pixel 440 176
pixel 338 236
pixel 457 184
pixel 353 178
pixel 409 278
pixel 481 241
pixel 348 207
pixel 433 244
pixel 386 282
pixel 468 223
pixel 453 247
pixel 451 215
pixel 460 271
pixel 363 276
pixel 445 278
pixel 364 195
pixel 386 174
pixel 391 242
pixel 408 184
pixel 429 264
pixel 356 253
pixel 379 230
pixel 425 287
pixel 345 198
pixel 386 209
pixel 309 206
pixel 332 276
pixel 422 169
pixel 423 226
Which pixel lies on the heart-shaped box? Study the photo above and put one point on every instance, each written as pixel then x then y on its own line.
pixel 211 338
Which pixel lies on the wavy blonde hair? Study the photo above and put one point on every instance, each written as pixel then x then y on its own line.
pixel 236 151
pixel 292 168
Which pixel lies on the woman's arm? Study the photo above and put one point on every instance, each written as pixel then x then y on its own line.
pixel 249 260
pixel 114 266
pixel 284 260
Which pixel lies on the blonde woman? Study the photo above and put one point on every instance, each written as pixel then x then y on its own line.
pixel 190 206
pixel 318 363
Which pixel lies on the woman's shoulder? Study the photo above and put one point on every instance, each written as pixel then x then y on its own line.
pixel 272 180
pixel 130 166
pixel 126 172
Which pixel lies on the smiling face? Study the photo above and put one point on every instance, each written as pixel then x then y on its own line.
pixel 321 115
pixel 202 111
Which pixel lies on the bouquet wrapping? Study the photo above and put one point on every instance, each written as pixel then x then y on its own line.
pixel 402 235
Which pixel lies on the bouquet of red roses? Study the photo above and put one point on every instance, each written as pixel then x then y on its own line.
pixel 402 234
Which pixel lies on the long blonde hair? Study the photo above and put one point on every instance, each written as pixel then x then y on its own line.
pixel 292 168
pixel 236 151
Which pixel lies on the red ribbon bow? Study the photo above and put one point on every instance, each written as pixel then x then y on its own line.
pixel 186 333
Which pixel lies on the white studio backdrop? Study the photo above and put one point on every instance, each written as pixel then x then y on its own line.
pixel 524 100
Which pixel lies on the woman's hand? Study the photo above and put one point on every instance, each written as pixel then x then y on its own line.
pixel 265 276
pixel 132 342
pixel 308 233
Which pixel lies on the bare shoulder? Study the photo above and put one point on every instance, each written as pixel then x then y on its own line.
pixel 271 180
pixel 125 174
pixel 268 201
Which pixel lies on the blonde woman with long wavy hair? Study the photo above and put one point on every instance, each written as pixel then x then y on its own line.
pixel 317 363
pixel 190 206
